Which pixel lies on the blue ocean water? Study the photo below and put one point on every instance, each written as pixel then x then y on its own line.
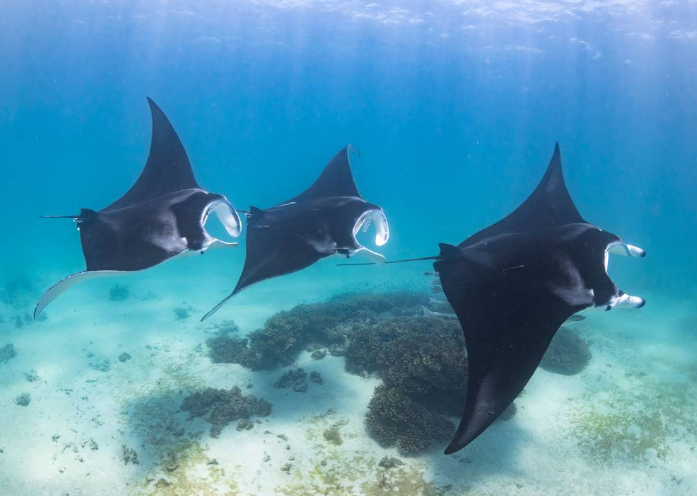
pixel 455 112
pixel 455 107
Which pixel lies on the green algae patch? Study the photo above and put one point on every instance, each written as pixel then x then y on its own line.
pixel 637 421
pixel 621 434
pixel 402 481
pixel 187 470
pixel 340 474
pixel 339 470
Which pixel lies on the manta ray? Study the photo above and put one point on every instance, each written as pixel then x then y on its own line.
pixel 163 215
pixel 319 222
pixel 513 284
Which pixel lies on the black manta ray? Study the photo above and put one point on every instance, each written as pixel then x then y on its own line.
pixel 163 215
pixel 319 222
pixel 513 284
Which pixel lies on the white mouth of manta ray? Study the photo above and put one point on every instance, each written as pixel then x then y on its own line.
pixel 228 218
pixel 623 300
pixel 382 232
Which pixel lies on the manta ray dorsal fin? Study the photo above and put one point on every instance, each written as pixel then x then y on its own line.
pixel 335 180
pixel 167 169
pixel 548 206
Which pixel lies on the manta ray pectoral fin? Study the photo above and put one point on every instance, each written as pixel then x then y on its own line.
pixel 65 284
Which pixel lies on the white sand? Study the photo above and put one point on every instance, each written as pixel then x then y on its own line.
pixel 623 426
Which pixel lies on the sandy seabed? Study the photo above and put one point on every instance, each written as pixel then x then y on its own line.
pixel 626 425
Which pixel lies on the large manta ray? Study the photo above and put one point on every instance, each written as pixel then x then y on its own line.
pixel 319 222
pixel 513 284
pixel 163 215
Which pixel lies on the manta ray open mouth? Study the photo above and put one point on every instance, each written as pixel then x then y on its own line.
pixel 623 300
pixel 382 230
pixel 228 218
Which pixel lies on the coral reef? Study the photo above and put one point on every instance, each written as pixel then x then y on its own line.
pixel 245 425
pixel 393 418
pixel 318 354
pixel 221 407
pixel 23 399
pixel 223 348
pixel 227 326
pixel 567 354
pixel 317 327
pixel 7 353
pixel 129 455
pixel 119 293
pixel 295 378
pixel 316 377
pixel 410 341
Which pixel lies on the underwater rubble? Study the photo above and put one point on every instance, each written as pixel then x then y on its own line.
pixel 183 311
pixel 7 353
pixel 419 355
pixel 295 379
pixel 32 376
pixel 23 399
pixel 119 293
pixel 221 407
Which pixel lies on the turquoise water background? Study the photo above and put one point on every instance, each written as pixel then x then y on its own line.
pixel 455 107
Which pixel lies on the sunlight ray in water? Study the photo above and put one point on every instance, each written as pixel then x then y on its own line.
pixel 320 378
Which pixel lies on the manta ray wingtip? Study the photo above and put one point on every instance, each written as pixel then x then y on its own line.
pixel 352 149
pixel 555 161
pixel 154 108
pixel 469 430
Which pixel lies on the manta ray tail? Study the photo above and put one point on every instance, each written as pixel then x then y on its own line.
pixel 218 306
pixel 59 217
pixel 391 261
